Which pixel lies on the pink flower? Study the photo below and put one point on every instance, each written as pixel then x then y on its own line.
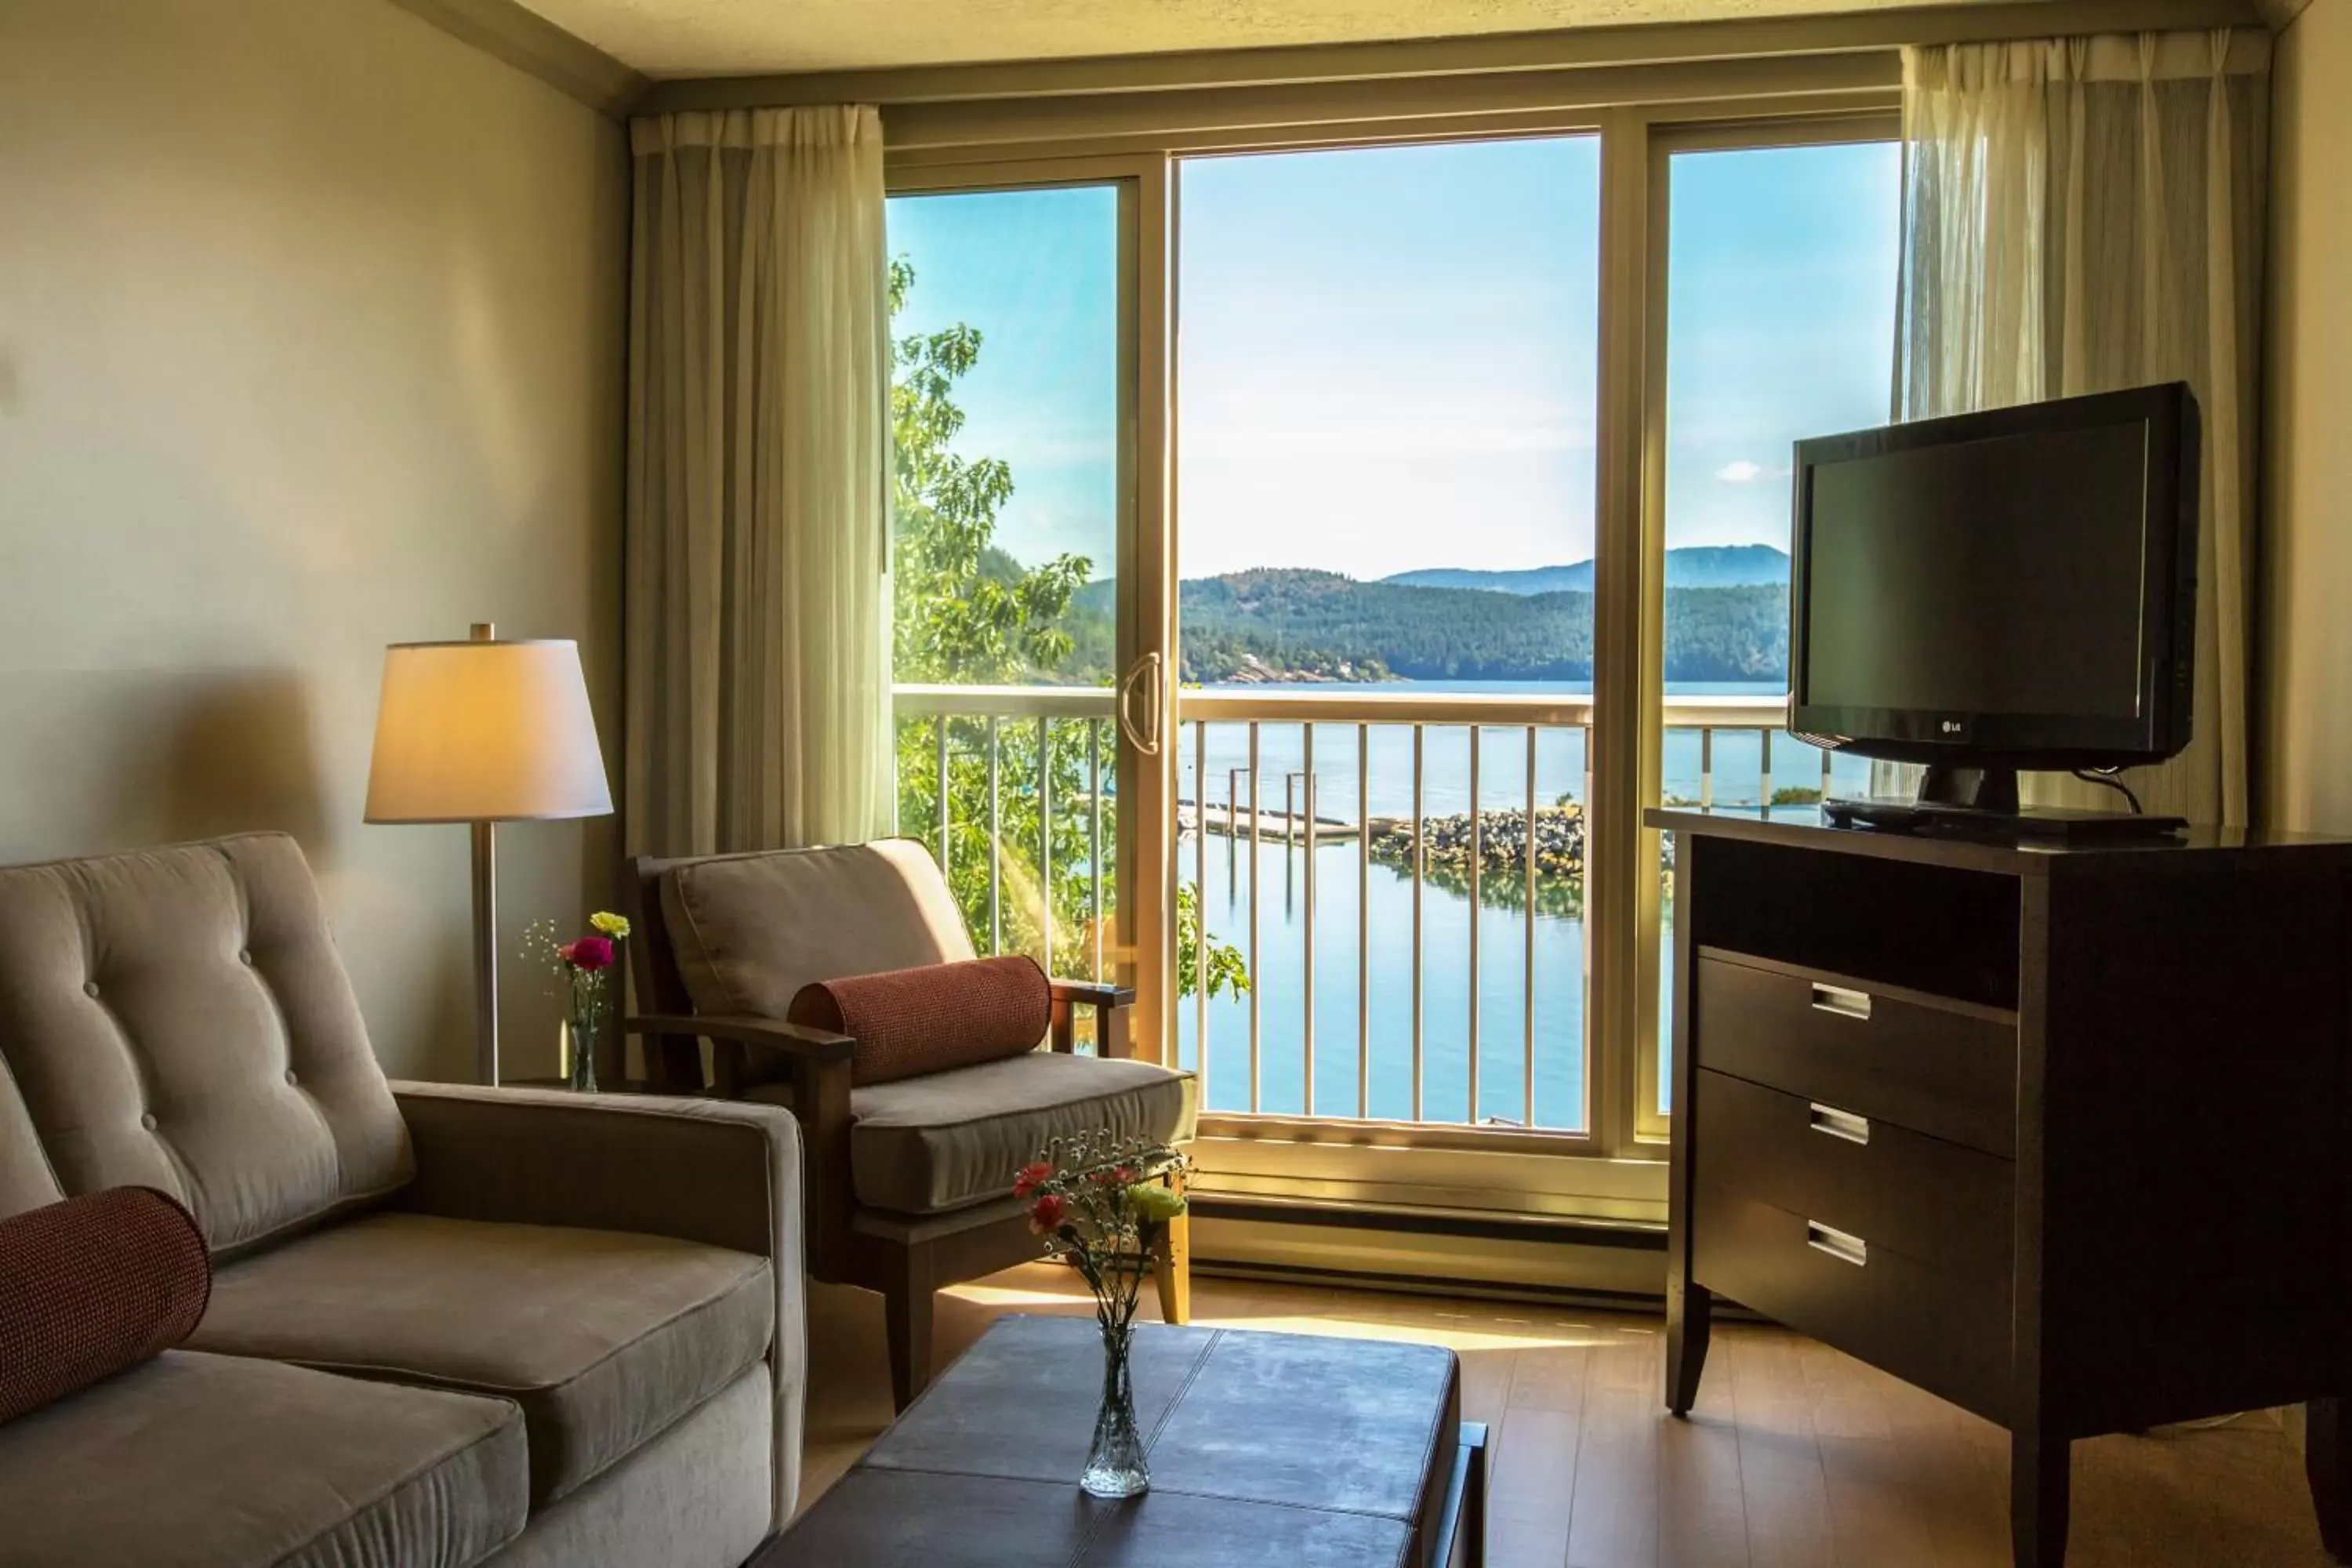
pixel 1032 1177
pixel 1047 1215
pixel 589 954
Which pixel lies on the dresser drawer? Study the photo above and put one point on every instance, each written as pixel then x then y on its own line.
pixel 1946 1330
pixel 1945 1071
pixel 1943 1203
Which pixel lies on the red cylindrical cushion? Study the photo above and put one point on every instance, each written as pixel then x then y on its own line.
pixel 93 1285
pixel 909 1022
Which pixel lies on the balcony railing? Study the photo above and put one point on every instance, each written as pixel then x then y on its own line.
pixel 1407 904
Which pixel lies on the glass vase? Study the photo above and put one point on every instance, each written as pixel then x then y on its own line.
pixel 580 1039
pixel 1115 1467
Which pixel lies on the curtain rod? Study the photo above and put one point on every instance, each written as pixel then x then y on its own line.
pixel 1560 50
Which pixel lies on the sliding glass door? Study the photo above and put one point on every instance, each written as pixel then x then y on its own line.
pixel 1384 527
pixel 1015 500
pixel 1779 252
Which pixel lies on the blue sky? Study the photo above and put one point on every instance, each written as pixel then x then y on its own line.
pixel 1387 357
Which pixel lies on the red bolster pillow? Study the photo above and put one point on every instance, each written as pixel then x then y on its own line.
pixel 92 1286
pixel 909 1022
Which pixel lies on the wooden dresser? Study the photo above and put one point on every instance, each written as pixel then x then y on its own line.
pixel 2059 1135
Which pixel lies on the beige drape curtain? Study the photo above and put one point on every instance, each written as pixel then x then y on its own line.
pixel 2082 215
pixel 758 452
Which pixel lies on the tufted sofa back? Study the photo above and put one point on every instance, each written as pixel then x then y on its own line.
pixel 178 1018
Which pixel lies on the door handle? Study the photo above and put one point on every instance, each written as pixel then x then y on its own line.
pixel 1841 1000
pixel 1835 1123
pixel 1145 741
pixel 1838 1244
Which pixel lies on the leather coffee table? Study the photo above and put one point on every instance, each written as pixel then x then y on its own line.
pixel 1285 1449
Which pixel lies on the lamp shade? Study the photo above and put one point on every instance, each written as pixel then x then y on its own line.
pixel 485 731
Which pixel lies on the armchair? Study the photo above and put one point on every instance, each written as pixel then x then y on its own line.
pixel 909 1182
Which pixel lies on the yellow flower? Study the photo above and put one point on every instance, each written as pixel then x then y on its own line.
pixel 1155 1200
pixel 611 925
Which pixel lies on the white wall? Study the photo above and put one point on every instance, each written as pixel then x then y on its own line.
pixel 2306 749
pixel 311 339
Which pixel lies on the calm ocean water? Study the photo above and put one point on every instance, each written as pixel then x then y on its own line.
pixel 1379 907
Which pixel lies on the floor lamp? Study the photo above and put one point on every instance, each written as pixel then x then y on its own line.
pixel 485 731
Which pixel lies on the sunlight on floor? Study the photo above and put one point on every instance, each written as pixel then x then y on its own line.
pixel 1462 1327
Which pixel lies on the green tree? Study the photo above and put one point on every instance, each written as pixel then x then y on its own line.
pixel 966 613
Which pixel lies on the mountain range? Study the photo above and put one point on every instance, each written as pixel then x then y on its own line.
pixel 1726 620
pixel 1692 567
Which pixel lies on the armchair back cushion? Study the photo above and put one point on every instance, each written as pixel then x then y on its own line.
pixel 750 931
pixel 179 1020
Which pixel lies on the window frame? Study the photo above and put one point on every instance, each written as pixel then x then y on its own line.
pixel 1614 1170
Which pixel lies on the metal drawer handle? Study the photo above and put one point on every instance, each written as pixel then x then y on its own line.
pixel 1844 1003
pixel 1835 1123
pixel 1837 1244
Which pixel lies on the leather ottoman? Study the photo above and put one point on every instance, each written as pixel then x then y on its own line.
pixel 1290 1449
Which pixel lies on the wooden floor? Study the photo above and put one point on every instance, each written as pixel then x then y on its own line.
pixel 1796 1457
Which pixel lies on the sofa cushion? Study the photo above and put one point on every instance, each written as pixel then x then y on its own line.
pixel 201 1460
pixel 750 931
pixel 925 1145
pixel 604 1338
pixel 178 1019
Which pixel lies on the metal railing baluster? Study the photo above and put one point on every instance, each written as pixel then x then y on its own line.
pixel 1363 921
pixel 1255 989
pixel 1420 868
pixel 1527 1054
pixel 1307 765
pixel 1093 842
pixel 1477 855
pixel 995 850
pixel 1764 779
pixel 1046 840
pixel 1201 903
pixel 946 817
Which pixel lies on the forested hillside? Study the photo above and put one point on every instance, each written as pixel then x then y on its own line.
pixel 1291 625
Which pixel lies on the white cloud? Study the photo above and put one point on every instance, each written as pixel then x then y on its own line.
pixel 1741 472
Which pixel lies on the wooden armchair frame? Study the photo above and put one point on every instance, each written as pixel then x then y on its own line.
pixel 906 1257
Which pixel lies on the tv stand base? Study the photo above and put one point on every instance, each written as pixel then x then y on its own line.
pixel 2023 825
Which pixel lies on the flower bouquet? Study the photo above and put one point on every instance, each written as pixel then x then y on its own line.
pixel 580 967
pixel 1105 1205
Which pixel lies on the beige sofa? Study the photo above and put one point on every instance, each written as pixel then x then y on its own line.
pixel 447 1326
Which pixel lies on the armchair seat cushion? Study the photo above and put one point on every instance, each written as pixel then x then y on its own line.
pixel 950 1140
pixel 605 1338
pixel 202 1459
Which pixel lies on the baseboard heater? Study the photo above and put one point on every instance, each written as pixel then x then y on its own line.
pixel 1596 1264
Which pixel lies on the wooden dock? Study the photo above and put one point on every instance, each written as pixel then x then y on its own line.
pixel 1282 826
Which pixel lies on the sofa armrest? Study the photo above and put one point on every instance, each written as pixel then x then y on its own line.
pixel 724 1173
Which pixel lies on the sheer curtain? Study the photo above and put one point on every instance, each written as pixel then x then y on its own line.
pixel 2086 214
pixel 758 594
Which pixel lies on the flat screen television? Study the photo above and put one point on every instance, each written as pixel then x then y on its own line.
pixel 2004 591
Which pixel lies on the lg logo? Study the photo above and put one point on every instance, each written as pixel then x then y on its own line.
pixel 1952 726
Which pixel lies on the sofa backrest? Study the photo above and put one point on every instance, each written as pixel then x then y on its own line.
pixel 26 1180
pixel 746 931
pixel 178 1018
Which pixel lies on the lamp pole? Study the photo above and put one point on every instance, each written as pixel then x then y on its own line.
pixel 485 932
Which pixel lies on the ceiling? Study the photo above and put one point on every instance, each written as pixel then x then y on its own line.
pixel 729 37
